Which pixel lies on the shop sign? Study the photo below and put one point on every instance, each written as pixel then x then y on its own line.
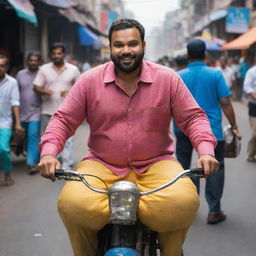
pixel 237 20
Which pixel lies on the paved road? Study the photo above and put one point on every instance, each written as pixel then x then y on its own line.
pixel 30 226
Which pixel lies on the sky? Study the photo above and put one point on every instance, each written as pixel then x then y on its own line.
pixel 150 13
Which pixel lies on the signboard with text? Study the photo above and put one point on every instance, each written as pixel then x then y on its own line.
pixel 237 20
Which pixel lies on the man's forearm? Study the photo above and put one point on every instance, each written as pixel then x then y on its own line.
pixel 16 113
pixel 229 112
pixel 252 95
pixel 41 90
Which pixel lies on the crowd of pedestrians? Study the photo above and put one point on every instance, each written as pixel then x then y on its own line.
pixel 28 102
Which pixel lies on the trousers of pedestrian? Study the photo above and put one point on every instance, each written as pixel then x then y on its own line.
pixel 215 183
pixel 32 130
pixel 170 212
pixel 251 148
pixel 66 156
pixel 5 155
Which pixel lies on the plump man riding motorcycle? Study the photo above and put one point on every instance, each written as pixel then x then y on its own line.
pixel 128 104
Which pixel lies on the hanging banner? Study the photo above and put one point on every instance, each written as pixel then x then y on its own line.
pixel 237 20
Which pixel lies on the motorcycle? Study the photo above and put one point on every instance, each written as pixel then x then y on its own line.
pixel 125 235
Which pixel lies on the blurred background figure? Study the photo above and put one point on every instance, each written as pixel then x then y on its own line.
pixel 85 66
pixel 228 74
pixel 9 107
pixel 181 62
pixel 53 82
pixel 250 90
pixel 30 105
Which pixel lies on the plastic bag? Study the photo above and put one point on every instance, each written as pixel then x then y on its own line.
pixel 232 144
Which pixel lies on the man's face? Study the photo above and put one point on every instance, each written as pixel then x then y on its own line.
pixel 223 62
pixel 58 56
pixel 127 49
pixel 3 67
pixel 33 63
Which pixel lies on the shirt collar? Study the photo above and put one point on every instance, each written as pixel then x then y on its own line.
pixel 145 75
pixel 196 63
pixel 4 80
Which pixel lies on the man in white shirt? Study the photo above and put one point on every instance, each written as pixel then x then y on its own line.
pixel 228 74
pixel 250 90
pixel 53 81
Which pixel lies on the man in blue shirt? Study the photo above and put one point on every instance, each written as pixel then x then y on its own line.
pixel 209 89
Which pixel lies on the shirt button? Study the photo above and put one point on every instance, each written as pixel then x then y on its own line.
pixel 130 142
pixel 129 109
pixel 130 126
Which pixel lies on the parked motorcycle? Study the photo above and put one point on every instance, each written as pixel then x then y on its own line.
pixel 125 235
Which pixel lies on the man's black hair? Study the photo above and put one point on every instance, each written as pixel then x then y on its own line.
pixel 181 60
pixel 196 49
pixel 57 46
pixel 34 53
pixel 121 24
pixel 6 58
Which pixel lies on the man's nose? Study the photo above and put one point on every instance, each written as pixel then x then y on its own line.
pixel 126 49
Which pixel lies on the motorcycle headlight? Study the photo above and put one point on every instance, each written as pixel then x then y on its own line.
pixel 123 202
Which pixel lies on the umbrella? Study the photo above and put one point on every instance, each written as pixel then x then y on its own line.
pixel 212 45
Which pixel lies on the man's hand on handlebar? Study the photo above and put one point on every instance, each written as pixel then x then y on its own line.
pixel 208 163
pixel 47 166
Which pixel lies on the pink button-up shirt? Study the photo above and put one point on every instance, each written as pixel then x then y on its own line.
pixel 129 132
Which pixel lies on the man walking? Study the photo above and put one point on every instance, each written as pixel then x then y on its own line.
pixel 228 74
pixel 9 105
pixel 209 89
pixel 30 105
pixel 250 90
pixel 53 82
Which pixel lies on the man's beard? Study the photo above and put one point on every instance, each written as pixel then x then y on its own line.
pixel 33 68
pixel 117 61
pixel 58 62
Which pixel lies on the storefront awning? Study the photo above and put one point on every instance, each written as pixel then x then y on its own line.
pixel 242 42
pixel 59 3
pixel 82 18
pixel 87 37
pixel 24 10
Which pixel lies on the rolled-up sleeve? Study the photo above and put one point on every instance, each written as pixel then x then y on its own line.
pixel 15 95
pixel 40 79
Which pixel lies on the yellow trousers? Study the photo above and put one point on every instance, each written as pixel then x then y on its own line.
pixel 170 211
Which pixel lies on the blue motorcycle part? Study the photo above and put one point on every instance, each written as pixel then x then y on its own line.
pixel 121 251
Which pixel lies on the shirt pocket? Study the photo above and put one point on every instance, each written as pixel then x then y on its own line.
pixel 156 119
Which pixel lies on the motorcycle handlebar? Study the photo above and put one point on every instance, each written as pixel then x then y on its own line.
pixel 77 176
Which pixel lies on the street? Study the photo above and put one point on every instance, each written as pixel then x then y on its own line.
pixel 30 225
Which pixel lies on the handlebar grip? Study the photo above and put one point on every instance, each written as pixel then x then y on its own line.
pixel 59 172
pixel 197 172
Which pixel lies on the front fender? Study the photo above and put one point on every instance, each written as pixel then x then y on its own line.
pixel 121 251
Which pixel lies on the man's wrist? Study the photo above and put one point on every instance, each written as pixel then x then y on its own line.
pixel 234 126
